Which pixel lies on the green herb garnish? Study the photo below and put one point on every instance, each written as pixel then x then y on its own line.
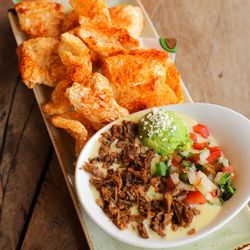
pixel 198 167
pixel 183 177
pixel 227 190
pixel 161 169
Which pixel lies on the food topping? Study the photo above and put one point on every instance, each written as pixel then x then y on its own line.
pixel 164 132
pixel 155 191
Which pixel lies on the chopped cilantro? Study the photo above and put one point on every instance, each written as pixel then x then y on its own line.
pixel 227 190
pixel 161 169
pixel 184 177
pixel 198 166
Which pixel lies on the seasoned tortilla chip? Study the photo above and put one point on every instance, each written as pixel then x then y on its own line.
pixel 94 100
pixel 105 40
pixel 59 103
pixel 127 17
pixel 39 62
pixel 92 9
pixel 174 81
pixel 40 18
pixel 75 56
pixel 73 115
pixel 74 128
pixel 70 21
pixel 138 79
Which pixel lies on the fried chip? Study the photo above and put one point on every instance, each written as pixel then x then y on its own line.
pixel 59 103
pixel 73 115
pixel 95 100
pixel 92 9
pixel 75 56
pixel 128 17
pixel 70 21
pixel 40 18
pixel 174 81
pixel 74 128
pixel 39 62
pixel 105 40
pixel 138 79
pixel 95 58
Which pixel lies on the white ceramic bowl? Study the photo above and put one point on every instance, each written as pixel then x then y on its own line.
pixel 232 131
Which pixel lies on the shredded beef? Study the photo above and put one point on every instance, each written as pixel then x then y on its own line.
pixel 116 131
pixel 126 186
pixel 183 212
pixel 142 231
pixel 157 225
pixel 91 168
pixel 167 201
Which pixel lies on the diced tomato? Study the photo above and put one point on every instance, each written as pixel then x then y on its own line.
pixel 200 146
pixel 194 158
pixel 228 169
pixel 202 130
pixel 176 159
pixel 193 137
pixel 182 169
pixel 213 157
pixel 214 149
pixel 195 197
pixel 213 193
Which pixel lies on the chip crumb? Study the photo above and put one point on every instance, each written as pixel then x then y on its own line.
pixel 191 232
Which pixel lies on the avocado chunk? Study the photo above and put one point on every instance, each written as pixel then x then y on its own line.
pixel 164 132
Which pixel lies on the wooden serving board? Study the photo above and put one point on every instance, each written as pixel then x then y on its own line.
pixel 63 144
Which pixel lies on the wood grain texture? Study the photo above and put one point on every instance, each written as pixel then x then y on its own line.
pixel 8 69
pixel 21 171
pixel 214 47
pixel 54 218
pixel 21 157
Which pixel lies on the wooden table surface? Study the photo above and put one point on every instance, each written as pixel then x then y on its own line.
pixel 36 211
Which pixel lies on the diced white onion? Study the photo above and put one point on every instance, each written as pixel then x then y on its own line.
pixel 192 168
pixel 175 178
pixel 203 156
pixel 184 153
pixel 205 186
pixel 217 178
pixel 184 186
pixel 192 177
pixel 225 162
pixel 217 201
pixel 209 197
pixel 181 197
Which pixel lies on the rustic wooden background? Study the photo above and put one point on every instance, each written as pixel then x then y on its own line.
pixel 36 211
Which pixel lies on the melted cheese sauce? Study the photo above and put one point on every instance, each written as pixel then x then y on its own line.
pixel 207 212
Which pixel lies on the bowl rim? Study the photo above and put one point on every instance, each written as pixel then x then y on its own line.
pixel 146 243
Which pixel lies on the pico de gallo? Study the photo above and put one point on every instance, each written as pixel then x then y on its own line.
pixel 202 169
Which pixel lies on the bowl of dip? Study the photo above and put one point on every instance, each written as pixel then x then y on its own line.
pixel 166 176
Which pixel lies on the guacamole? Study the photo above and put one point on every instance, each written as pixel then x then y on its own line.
pixel 164 132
